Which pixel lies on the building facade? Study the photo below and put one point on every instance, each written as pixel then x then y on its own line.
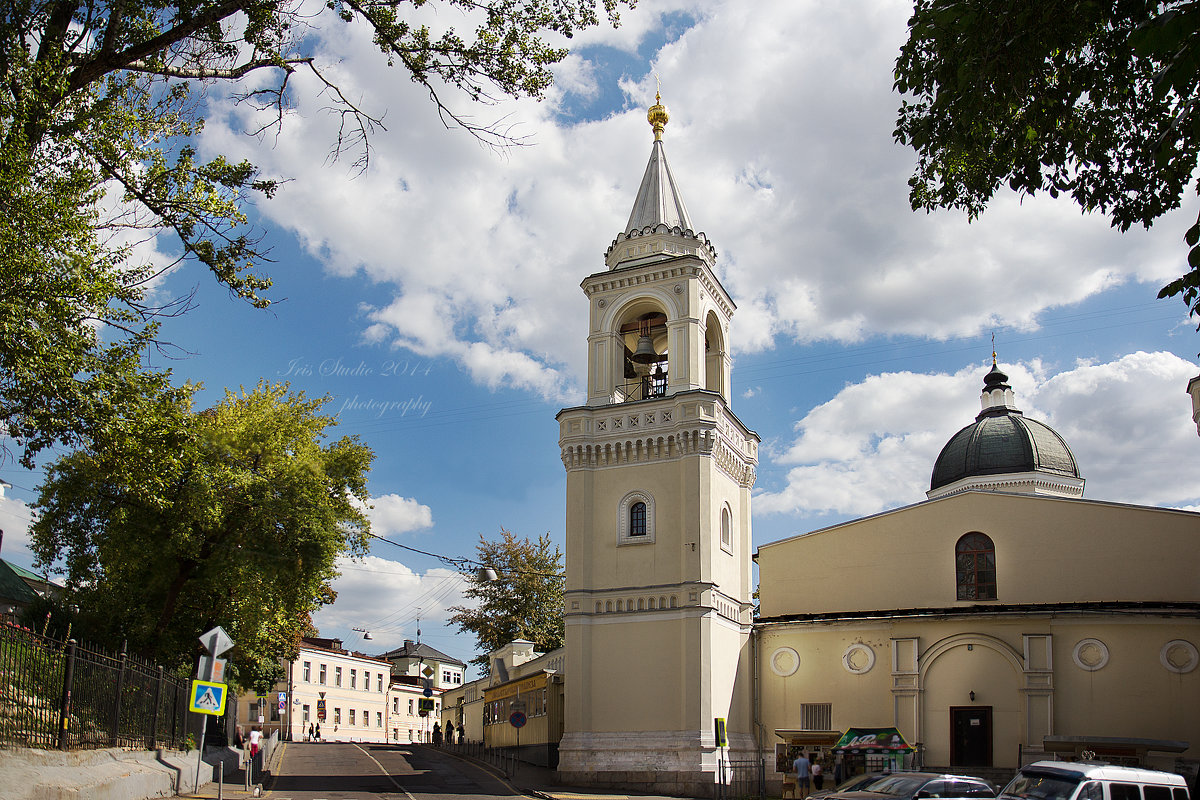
pixel 1002 621
pixel 659 473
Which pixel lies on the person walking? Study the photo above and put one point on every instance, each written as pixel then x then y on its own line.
pixel 818 778
pixel 317 732
pixel 310 733
pixel 802 767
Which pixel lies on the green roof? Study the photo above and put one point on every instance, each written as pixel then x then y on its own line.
pixel 12 587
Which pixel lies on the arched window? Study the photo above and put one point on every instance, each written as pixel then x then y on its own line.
pixel 726 529
pixel 637 519
pixel 975 567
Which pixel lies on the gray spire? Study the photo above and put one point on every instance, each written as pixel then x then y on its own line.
pixel 658 199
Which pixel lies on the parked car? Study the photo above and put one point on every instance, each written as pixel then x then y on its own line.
pixel 1057 780
pixel 854 784
pixel 921 785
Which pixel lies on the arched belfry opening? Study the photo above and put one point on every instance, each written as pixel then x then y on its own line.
pixel 645 360
pixel 716 356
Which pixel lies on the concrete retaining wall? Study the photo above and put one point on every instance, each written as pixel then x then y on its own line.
pixel 111 774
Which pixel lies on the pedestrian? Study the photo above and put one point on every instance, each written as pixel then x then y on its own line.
pixel 449 732
pixel 839 769
pixel 310 732
pixel 818 778
pixel 437 735
pixel 255 738
pixel 317 732
pixel 801 766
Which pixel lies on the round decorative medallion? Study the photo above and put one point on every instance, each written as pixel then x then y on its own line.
pixel 1179 656
pixel 678 288
pixel 785 661
pixel 858 659
pixel 1090 654
pixel 601 303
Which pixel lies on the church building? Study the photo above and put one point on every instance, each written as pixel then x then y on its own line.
pixel 1002 620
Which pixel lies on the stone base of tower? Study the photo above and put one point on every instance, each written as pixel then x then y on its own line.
pixel 674 763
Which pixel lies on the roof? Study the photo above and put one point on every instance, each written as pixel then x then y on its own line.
pixel 658 199
pixel 1002 441
pixel 13 587
pixel 412 649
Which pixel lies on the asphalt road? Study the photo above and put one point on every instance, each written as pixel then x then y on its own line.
pixel 336 771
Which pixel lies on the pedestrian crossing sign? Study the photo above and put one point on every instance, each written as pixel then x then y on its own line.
pixel 208 698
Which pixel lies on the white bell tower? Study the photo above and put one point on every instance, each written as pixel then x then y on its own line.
pixel 659 473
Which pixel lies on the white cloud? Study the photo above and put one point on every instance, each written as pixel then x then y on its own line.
pixel 391 513
pixel 873 445
pixel 386 598
pixel 781 143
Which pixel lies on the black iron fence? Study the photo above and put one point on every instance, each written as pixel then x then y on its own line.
pixel 741 780
pixel 62 695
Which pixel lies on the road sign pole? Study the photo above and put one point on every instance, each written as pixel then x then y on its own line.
pixel 200 758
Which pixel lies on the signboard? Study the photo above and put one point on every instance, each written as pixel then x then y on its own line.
pixel 719 730
pixel 517 719
pixel 321 710
pixel 424 704
pixel 282 702
pixel 208 698
pixel 872 740
pixel 211 669
pixel 516 705
pixel 216 641
pixel 428 671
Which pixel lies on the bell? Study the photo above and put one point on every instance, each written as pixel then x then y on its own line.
pixel 645 353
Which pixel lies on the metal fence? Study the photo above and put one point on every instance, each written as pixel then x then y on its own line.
pixel 741 780
pixel 61 695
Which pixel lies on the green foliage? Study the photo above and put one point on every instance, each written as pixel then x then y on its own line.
pixel 99 104
pixel 524 602
pixel 1095 100
pixel 175 521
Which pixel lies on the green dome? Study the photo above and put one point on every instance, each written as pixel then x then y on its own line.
pixel 1000 441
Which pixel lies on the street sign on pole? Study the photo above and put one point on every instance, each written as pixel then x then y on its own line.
pixel 216 641
pixel 208 698
pixel 517 719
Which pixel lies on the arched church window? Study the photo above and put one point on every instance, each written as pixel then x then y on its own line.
pixel 637 519
pixel 975 567
pixel 726 529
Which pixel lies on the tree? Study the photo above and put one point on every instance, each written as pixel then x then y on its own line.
pixel 1096 100
pixel 525 601
pixel 99 101
pixel 178 521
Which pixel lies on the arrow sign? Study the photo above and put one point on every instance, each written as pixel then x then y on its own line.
pixel 216 641
pixel 208 698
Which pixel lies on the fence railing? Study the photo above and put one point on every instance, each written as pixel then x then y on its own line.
pixel 741 780
pixel 62 695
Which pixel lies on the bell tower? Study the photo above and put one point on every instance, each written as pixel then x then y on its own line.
pixel 659 473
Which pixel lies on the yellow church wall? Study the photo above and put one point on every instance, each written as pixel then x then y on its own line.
pixel 1048 550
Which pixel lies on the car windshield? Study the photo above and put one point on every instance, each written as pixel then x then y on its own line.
pixel 899 785
pixel 858 783
pixel 1036 786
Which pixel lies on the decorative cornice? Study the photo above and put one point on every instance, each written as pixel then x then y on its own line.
pixel 665 429
pixel 1038 483
pixel 676 241
pixel 661 272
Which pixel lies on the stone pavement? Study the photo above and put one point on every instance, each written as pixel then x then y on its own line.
pixel 528 780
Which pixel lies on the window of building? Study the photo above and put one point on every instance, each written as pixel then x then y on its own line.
pixel 635 520
pixel 337 716
pixel 975 567
pixel 304 718
pixel 337 676
pixel 308 672
pixel 395 705
pixel 322 681
pixel 410 707
pixel 366 718
pixel 378 719
pixel 816 716
pixel 379 682
pixel 352 716
pixel 726 530
pixel 353 679
pixel 445 676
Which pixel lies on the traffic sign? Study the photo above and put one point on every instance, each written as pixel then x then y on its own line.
pixel 517 719
pixel 321 709
pixel 208 698
pixel 216 641
pixel 428 671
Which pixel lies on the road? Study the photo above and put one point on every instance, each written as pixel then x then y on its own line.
pixel 338 771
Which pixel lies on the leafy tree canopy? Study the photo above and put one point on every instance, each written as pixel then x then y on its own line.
pixel 1089 98
pixel 99 101
pixel 178 521
pixel 525 601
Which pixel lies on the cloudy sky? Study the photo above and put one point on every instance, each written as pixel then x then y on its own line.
pixel 435 298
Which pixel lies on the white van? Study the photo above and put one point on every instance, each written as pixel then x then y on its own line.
pixel 1070 780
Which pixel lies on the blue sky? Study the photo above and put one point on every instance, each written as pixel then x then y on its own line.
pixel 436 297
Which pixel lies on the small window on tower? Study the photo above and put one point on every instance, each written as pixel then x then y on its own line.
pixel 637 519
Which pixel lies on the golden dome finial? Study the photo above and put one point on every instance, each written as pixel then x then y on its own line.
pixel 657 116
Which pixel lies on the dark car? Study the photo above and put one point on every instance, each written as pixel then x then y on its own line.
pixel 857 783
pixel 920 785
